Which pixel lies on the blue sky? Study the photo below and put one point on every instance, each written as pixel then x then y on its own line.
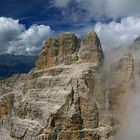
pixel 59 17
pixel 116 22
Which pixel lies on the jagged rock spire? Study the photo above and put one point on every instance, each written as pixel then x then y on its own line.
pixel 68 48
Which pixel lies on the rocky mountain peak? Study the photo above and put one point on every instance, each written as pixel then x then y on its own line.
pixel 68 48
pixel 137 40
pixel 68 96
pixel 91 38
pixel 135 46
pixel 90 49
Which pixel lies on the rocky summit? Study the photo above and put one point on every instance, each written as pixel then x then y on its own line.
pixel 69 95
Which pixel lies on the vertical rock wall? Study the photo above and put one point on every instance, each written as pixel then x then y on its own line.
pixel 67 96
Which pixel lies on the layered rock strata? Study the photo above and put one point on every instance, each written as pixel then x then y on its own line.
pixel 67 96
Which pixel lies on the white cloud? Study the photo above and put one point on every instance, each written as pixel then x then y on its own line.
pixel 100 8
pixel 122 33
pixel 14 38
pixel 31 40
pixel 121 8
pixel 115 33
pixel 9 30
pixel 61 3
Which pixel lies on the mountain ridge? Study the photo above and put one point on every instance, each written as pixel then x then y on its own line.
pixel 69 95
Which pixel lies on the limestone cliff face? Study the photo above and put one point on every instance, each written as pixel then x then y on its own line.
pixel 67 49
pixel 67 96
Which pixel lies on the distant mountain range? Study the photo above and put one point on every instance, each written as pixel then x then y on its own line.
pixel 13 64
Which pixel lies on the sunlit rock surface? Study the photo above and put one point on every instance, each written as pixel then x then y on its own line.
pixel 68 95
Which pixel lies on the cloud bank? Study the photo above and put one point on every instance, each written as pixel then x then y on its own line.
pixel 115 33
pixel 122 16
pixel 16 39
pixel 101 8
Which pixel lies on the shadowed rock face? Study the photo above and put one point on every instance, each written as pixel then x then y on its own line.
pixel 67 96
